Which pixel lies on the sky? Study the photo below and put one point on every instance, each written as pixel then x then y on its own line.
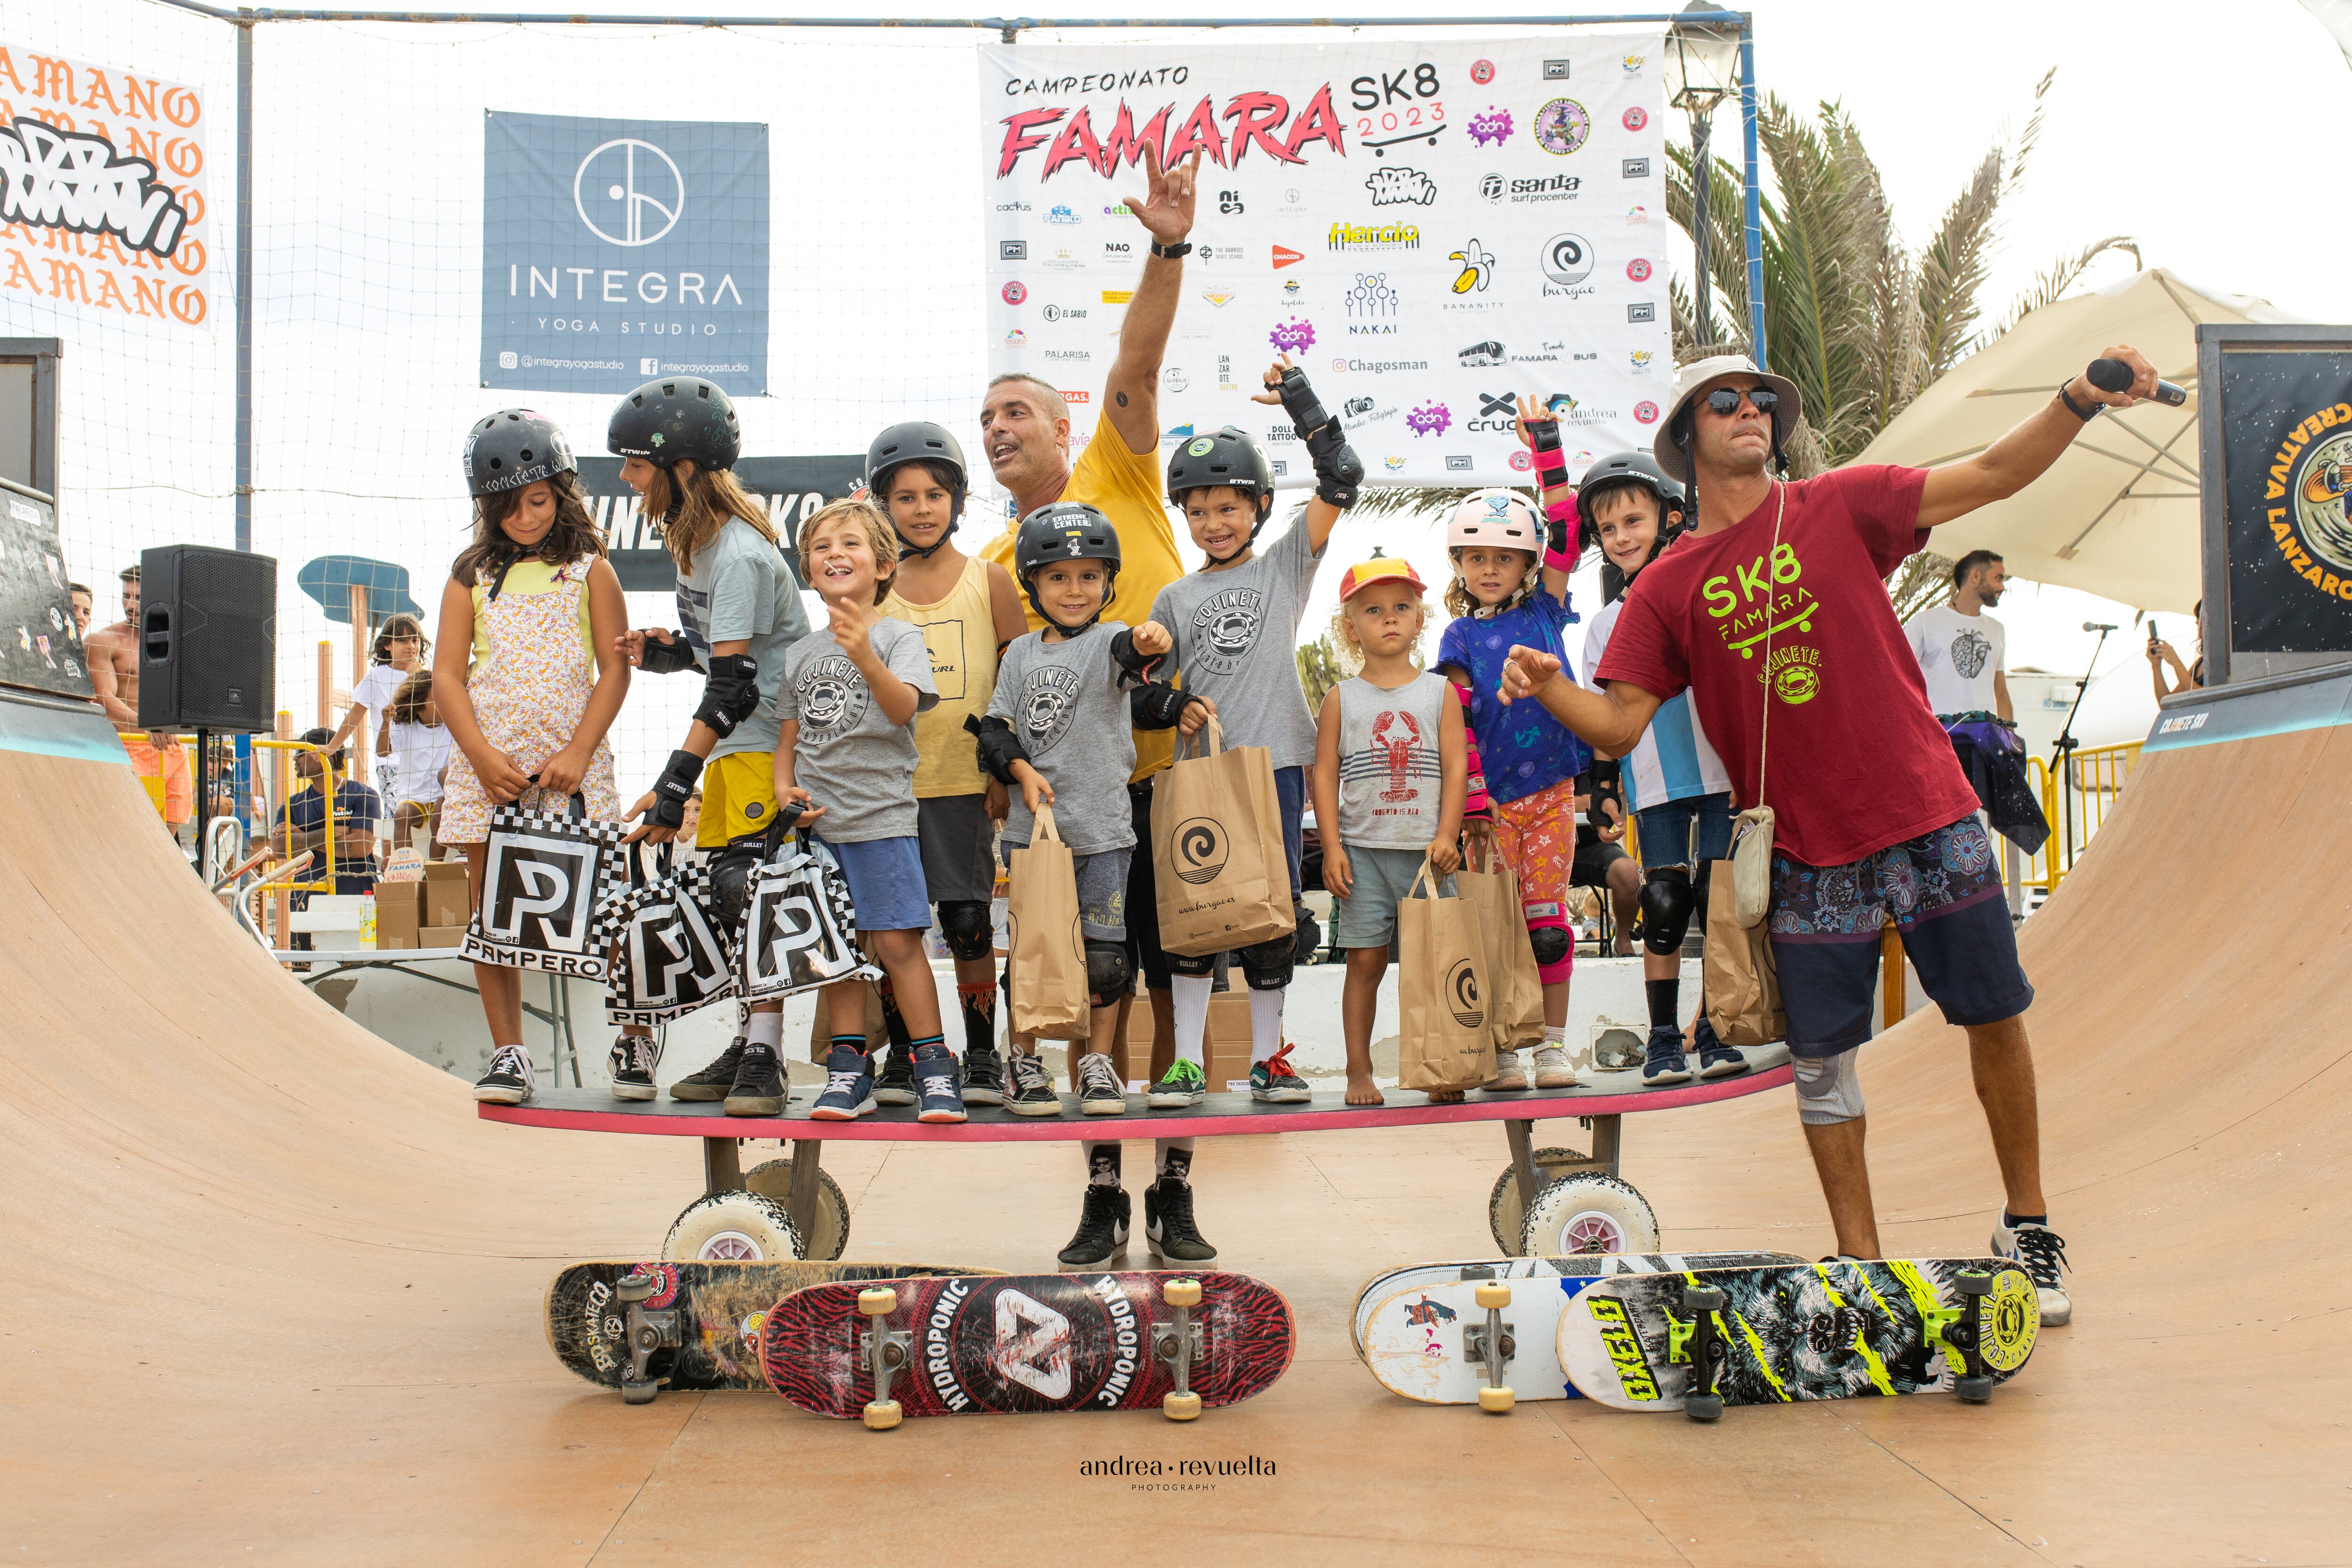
pixel 2188 126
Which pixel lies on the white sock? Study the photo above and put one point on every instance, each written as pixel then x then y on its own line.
pixel 1556 1034
pixel 1266 1023
pixel 1192 995
pixel 765 1029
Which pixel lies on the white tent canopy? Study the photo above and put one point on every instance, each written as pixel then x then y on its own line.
pixel 2118 515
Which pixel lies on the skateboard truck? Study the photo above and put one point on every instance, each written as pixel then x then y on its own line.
pixel 1491 1343
pixel 1178 1345
pixel 1959 1330
pixel 647 1332
pixel 883 1352
pixel 1698 1343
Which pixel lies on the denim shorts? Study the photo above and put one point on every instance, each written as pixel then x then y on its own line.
pixel 1383 879
pixel 886 883
pixel 1662 833
pixel 1102 892
pixel 1943 891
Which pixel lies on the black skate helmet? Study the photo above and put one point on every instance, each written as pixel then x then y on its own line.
pixel 918 441
pixel 674 419
pixel 514 447
pixel 1622 468
pixel 1228 456
pixel 1064 531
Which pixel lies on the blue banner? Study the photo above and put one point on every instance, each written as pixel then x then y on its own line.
pixel 615 251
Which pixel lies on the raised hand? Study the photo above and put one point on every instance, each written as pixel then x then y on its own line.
pixel 1532 413
pixel 1273 394
pixel 1166 211
pixel 851 624
pixel 1151 640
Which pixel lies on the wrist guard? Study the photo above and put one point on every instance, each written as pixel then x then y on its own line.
pixel 673 789
pixel 1123 654
pixel 732 694
pixel 1339 472
pixel 1000 748
pixel 667 658
pixel 1159 706
pixel 1551 457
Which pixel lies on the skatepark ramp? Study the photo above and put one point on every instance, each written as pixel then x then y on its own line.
pixel 278 1290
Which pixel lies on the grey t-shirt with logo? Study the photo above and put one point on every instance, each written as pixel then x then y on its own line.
pixel 1066 702
pixel 850 758
pixel 742 588
pixel 1235 632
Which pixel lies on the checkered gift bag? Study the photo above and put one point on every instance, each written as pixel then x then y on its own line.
pixel 546 876
pixel 670 953
pixel 801 931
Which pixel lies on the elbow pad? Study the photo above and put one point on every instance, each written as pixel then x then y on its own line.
pixel 1000 748
pixel 667 658
pixel 731 695
pixel 1159 706
pixel 1338 470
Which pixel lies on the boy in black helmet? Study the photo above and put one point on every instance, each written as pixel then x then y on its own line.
pixel 967 609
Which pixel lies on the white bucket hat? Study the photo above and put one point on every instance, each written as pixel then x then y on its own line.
pixel 1697 377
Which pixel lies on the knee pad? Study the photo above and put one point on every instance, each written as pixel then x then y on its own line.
pixel 1553 942
pixel 731 870
pixel 1109 972
pixel 1829 1088
pixel 1267 965
pixel 1666 904
pixel 1192 967
pixel 965 925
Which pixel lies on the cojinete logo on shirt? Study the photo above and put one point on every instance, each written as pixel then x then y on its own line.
pixel 1047 698
pixel 1795 673
pixel 1227 626
pixel 832 696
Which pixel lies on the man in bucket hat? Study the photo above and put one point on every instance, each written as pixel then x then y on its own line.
pixel 1773 613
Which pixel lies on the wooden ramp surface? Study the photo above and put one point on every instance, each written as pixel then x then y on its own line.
pixel 278 1288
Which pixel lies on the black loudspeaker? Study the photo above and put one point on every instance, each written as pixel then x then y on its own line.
pixel 207 639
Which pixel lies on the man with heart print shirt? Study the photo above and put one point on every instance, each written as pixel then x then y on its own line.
pixel 1773 613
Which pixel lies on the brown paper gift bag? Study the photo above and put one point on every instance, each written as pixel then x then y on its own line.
pixel 1216 850
pixel 1049 964
pixel 1515 1016
pixel 1743 989
pixel 1443 1038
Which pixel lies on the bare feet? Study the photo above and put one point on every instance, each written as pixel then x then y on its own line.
pixel 1362 1090
pixel 1445 1096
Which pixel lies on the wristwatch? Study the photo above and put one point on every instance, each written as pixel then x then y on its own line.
pixel 2084 414
pixel 1181 248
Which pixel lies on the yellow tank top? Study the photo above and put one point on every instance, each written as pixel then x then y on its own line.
pixel 960 632
pixel 530 578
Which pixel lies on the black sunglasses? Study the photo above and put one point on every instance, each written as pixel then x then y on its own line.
pixel 1725 400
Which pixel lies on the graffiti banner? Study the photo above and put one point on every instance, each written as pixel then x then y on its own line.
pixel 2286 422
pixel 1430 229
pixel 615 251
pixel 102 189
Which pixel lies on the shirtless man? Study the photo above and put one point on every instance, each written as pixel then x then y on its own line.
pixel 113 655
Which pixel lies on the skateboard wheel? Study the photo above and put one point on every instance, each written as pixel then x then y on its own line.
pixel 1972 1282
pixel 1497 1401
pixel 638 1393
pixel 1698 1299
pixel 1491 1295
pixel 880 1301
pixel 1975 1390
pixel 636 1288
pixel 881 1415
pixel 1182 1293
pixel 1181 1406
pixel 1704 1406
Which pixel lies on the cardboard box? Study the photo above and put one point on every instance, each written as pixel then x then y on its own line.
pixel 448 898
pixel 399 912
pixel 1226 1060
pixel 454 935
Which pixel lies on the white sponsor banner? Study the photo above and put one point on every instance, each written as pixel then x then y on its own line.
pixel 1430 229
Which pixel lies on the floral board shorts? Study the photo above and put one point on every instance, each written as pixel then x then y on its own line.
pixel 1942 889
pixel 1535 836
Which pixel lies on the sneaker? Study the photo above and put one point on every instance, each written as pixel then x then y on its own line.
pixel 1102 1226
pixel 849 1092
pixel 1029 1091
pixel 1185 1085
pixel 895 1086
pixel 1665 1063
pixel 713 1081
pixel 1552 1070
pixel 1167 1228
pixel 1100 1093
pixel 634 1058
pixel 1508 1076
pixel 759 1086
pixel 2038 1250
pixel 509 1081
pixel 936 1080
pixel 984 1076
pixel 1716 1060
pixel 1272 1082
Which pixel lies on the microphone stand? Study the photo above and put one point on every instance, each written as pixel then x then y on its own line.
pixel 2062 753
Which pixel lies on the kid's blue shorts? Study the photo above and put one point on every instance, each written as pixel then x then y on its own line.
pixel 886 883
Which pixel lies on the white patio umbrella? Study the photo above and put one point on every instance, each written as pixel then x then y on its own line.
pixel 2118 515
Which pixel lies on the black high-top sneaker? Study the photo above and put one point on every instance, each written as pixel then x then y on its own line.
pixel 509 1081
pixel 1102 1229
pixel 713 1081
pixel 635 1057
pixel 894 1085
pixel 984 1076
pixel 1168 1226
pixel 759 1086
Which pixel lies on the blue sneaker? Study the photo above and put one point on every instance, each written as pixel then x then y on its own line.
pixel 935 1082
pixel 1716 1060
pixel 1666 1065
pixel 848 1087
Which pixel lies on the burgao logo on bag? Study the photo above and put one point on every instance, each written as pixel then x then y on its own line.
pixel 1202 848
pixel 1462 995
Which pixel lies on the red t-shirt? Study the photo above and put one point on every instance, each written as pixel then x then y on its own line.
pixel 1858 761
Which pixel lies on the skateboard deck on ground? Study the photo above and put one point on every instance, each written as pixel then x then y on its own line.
pixel 1419 1329
pixel 1820 1331
pixel 1024 1343
pixel 719 1309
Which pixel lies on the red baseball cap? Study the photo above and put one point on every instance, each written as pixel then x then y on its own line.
pixel 1380 568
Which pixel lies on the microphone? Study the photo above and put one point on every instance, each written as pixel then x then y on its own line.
pixel 2114 376
pixel 2097 626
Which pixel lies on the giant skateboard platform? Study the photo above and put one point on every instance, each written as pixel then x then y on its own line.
pixel 278 1285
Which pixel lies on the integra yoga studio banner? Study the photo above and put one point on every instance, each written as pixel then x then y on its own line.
pixel 102 189
pixel 615 251
pixel 1429 229
pixel 2286 419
